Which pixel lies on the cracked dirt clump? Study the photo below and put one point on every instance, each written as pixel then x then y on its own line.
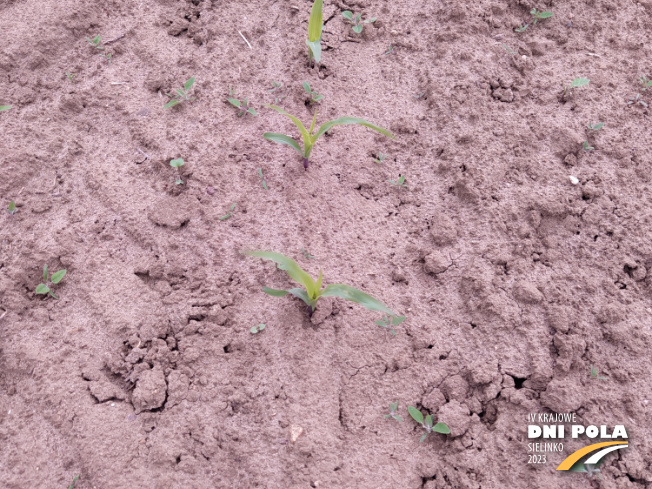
pixel 151 390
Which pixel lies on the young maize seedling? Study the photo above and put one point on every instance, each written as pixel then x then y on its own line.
pixel 4 107
pixel 257 329
pixel 427 423
pixel 312 290
pixel 393 411
pixel 594 374
pixel 178 163
pixel 45 288
pixel 577 82
pixel 228 214
pixel 314 96
pixel 309 139
pixel 400 182
pixel 262 179
pixel 12 208
pixel 95 42
pixel 243 106
pixel 390 322
pixel 315 26
pixel 645 82
pixel 356 22
pixel 181 94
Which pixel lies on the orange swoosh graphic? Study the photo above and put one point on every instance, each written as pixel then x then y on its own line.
pixel 575 456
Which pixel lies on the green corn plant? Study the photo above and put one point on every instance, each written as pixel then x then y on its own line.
pixel 312 290
pixel 427 423
pixel 181 94
pixel 4 107
pixel 55 278
pixel 309 139
pixel 315 26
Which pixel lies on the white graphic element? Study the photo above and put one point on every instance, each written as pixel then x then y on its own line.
pixel 595 458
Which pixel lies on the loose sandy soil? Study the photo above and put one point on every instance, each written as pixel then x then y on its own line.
pixel 514 281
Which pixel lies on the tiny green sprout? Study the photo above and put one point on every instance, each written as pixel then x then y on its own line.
pixel 74 483
pixel 107 56
pixel 95 42
pixel 521 28
pixel 228 214
pixel 393 412
pixel 12 208
pixel 390 50
pixel 275 88
pixel 243 105
pixel 389 322
pixel 595 127
pixel 419 95
pixel 509 50
pixel 577 82
pixel 586 146
pixel 55 278
pixel 594 374
pixel 257 329
pixel 305 254
pixel 262 179
pixel 645 82
pixel 400 182
pixel 4 107
pixel 71 76
pixel 178 163
pixel 314 96
pixel 315 26
pixel 381 158
pixel 312 291
pixel 427 423
pixel 309 139
pixel 356 22
pixel 540 15
pixel 637 101
pixel 181 94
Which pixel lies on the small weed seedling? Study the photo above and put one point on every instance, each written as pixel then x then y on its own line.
pixel 243 105
pixel 427 423
pixel 381 158
pixel 305 254
pixel 309 139
pixel 586 147
pixel 71 76
pixel 56 277
pixel 356 22
pixel 178 163
pixel 276 88
pixel 637 101
pixel 577 82
pixel 595 127
pixel 390 50
pixel 4 107
pixel 96 42
pixel 540 15
pixel 181 94
pixel 521 28
pixel 312 290
pixel 12 208
pixel 315 26
pixel 419 95
pixel 314 96
pixel 228 214
pixel 393 411
pixel 400 182
pixel 645 82
pixel 262 179
pixel 74 483
pixel 257 329
pixel 390 322
pixel 594 374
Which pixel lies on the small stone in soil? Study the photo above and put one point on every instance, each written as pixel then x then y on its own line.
pixel 210 190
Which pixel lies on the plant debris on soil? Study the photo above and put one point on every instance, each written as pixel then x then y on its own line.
pixel 519 258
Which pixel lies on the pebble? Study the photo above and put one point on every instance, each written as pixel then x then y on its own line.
pixel 295 432
pixel 210 190
pixel 574 180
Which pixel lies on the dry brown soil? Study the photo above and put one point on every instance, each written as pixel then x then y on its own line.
pixel 144 373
